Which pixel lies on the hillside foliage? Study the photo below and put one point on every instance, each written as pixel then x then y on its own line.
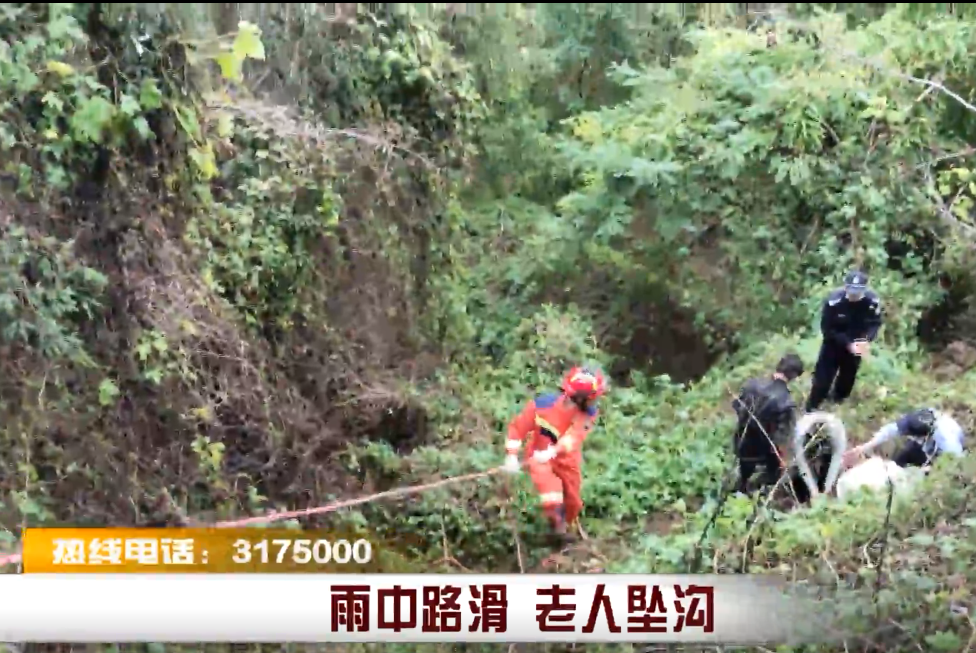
pixel 259 257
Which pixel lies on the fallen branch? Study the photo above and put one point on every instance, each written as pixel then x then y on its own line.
pixel 283 122
pixel 946 157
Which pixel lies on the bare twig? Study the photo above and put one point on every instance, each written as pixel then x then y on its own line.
pixel 884 541
pixel 945 211
pixel 725 490
pixel 285 124
pixel 518 540
pixel 931 84
pixel 447 557
pixel 579 527
pixel 754 519
pixel 908 634
pixel 813 231
pixel 972 635
pixel 945 157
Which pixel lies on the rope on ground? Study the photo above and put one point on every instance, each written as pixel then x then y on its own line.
pixel 15 558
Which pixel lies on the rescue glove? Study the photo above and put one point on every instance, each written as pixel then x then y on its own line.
pixel 511 464
pixel 544 455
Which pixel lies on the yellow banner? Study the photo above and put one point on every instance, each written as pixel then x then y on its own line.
pixel 195 550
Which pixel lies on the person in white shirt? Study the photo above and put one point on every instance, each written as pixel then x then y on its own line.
pixel 929 432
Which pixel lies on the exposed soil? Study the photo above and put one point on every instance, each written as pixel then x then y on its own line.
pixel 661 339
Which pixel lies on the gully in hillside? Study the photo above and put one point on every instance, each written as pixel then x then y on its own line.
pixel 850 321
pixel 555 426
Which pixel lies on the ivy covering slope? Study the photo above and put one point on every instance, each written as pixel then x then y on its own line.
pixel 191 275
pixel 237 275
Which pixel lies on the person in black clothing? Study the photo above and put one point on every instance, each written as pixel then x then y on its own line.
pixel 766 419
pixel 849 322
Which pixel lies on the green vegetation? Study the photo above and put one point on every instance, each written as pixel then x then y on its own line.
pixel 263 260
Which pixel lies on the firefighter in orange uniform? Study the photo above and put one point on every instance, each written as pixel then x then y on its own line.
pixel 555 426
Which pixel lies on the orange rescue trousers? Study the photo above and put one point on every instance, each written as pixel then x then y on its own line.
pixel 558 482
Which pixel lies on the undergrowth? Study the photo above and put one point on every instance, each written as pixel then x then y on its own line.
pixel 257 259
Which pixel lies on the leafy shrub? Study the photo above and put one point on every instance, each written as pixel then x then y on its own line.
pixel 259 240
pixel 45 294
pixel 56 114
pixel 742 150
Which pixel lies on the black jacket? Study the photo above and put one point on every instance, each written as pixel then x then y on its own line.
pixel 764 408
pixel 842 321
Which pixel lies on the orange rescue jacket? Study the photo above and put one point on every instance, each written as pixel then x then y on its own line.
pixel 551 419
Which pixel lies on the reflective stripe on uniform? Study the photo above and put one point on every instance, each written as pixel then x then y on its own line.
pixel 561 438
pixel 543 424
pixel 513 445
pixel 549 498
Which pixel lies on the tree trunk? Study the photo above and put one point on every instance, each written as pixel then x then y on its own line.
pixel 226 17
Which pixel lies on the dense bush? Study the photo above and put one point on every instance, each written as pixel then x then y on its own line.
pixel 251 264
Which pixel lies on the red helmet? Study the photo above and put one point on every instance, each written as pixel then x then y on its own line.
pixel 584 380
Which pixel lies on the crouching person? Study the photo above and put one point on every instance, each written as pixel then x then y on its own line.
pixel 555 426
pixel 766 419
pixel 929 433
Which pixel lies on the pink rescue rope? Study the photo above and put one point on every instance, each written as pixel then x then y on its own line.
pixel 15 558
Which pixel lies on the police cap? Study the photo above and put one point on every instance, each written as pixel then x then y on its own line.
pixel 856 280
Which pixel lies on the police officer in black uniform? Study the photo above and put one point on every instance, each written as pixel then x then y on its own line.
pixel 766 418
pixel 850 319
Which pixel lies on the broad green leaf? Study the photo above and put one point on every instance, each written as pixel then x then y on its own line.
pixel 52 100
pixel 142 126
pixel 247 43
pixel 60 68
pixel 129 106
pixel 944 641
pixel 64 25
pixel 91 118
pixel 149 96
pixel 107 392
pixel 203 158
pixel 143 349
pixel 188 121
pixel 231 65
pixel 225 125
